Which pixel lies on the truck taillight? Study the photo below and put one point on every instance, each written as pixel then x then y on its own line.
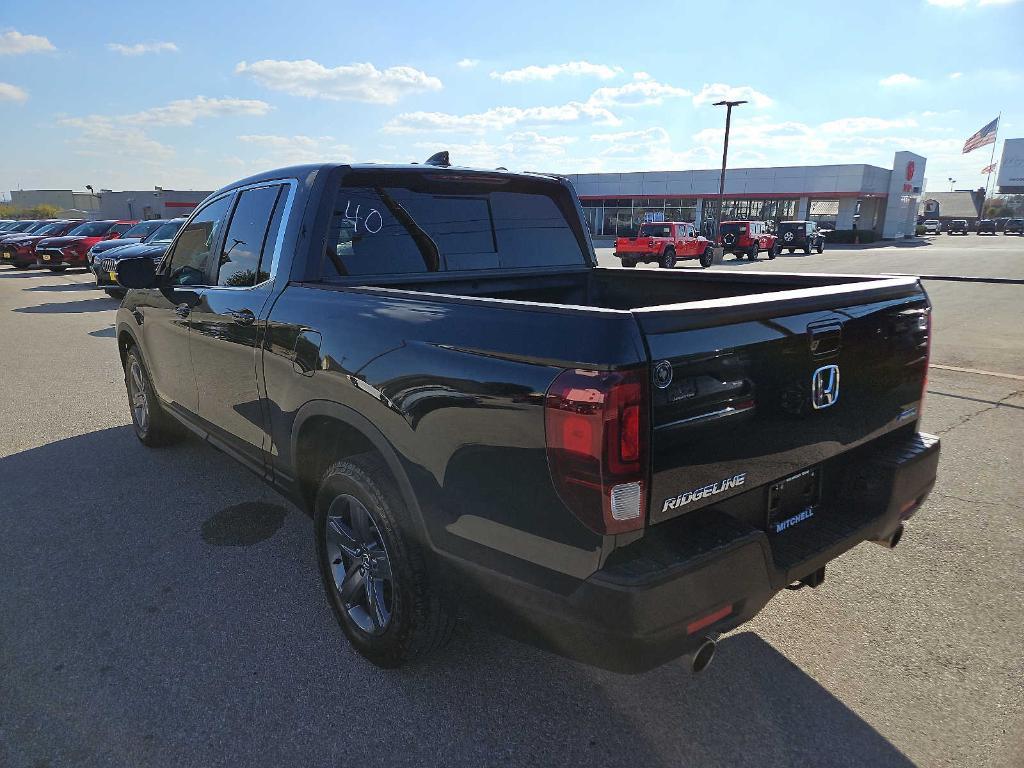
pixel 598 445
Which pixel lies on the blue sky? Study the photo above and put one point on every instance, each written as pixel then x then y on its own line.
pixel 194 95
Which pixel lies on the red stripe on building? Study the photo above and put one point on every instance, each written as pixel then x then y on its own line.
pixel 180 205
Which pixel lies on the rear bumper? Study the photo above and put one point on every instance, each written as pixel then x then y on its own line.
pixel 646 606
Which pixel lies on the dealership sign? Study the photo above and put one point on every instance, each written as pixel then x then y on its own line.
pixel 1011 167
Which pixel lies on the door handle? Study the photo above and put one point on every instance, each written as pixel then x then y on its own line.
pixel 183 310
pixel 242 316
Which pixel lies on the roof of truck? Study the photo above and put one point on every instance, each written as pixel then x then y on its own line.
pixel 301 171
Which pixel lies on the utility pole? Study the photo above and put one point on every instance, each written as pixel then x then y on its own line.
pixel 725 158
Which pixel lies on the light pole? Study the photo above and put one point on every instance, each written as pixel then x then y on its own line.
pixel 952 182
pixel 725 157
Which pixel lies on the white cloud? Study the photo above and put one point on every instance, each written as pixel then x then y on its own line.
pixel 13 43
pixel 642 92
pixel 955 75
pixel 124 134
pixel 467 63
pixel 551 71
pixel 856 125
pixel 356 82
pixel 187 111
pixel 497 118
pixel 899 79
pixel 137 49
pixel 10 92
pixel 709 94
pixel 296 150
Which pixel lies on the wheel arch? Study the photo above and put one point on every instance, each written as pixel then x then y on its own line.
pixel 324 432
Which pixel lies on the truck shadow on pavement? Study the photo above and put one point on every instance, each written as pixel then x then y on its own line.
pixel 132 635
pixel 71 307
pixel 63 288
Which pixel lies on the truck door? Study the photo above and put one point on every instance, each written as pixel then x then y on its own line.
pixel 227 325
pixel 166 311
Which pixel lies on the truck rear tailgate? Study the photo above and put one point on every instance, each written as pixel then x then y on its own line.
pixel 751 391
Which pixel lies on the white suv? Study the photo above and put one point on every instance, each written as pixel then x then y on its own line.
pixel 932 227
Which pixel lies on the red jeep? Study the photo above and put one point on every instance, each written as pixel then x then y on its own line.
pixel 664 242
pixel 747 238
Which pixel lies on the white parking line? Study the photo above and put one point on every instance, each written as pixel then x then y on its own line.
pixel 976 371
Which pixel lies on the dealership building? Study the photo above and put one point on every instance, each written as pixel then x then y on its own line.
pixel 863 197
pixel 157 203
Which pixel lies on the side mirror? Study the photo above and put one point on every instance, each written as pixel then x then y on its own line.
pixel 136 273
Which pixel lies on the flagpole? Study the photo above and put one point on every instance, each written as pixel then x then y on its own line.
pixel 991 159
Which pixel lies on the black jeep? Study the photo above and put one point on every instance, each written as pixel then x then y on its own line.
pixel 801 234
pixel 1014 227
pixel 958 227
pixel 986 227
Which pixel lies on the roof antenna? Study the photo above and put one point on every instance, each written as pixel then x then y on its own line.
pixel 440 159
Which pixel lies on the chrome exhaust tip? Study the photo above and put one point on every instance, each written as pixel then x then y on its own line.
pixel 702 657
pixel 892 539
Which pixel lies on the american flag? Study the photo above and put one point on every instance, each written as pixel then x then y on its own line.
pixel 989 168
pixel 982 138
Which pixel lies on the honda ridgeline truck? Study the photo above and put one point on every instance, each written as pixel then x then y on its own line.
pixel 618 465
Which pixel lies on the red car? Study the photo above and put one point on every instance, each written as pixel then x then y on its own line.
pixel 20 250
pixel 59 253
pixel 664 242
pixel 747 238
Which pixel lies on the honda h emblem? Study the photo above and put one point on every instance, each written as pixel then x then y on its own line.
pixel 825 386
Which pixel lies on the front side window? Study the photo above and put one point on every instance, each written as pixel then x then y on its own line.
pixel 245 256
pixel 192 258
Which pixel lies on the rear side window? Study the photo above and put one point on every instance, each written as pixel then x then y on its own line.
pixel 448 224
pixel 245 257
pixel 656 230
pixel 120 228
pixel 192 257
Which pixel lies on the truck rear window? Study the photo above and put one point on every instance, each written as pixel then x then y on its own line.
pixel 656 230
pixel 437 225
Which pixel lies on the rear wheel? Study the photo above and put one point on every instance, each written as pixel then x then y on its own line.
pixel 152 425
pixel 821 246
pixel 807 248
pixel 373 572
pixel 707 258
pixel 791 250
pixel 628 264
pixel 668 258
pixel 773 251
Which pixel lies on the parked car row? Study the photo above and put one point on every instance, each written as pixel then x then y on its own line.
pixel 665 242
pixel 60 244
pixel 985 227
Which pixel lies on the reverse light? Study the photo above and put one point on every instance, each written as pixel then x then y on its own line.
pixel 598 445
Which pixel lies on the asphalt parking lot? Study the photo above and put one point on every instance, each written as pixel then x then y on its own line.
pixel 162 607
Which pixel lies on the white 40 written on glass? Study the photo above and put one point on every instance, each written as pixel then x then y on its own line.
pixel 369 220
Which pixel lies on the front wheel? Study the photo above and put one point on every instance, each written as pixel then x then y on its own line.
pixel 628 264
pixel 752 253
pixel 57 269
pixel 707 258
pixel 152 425
pixel 821 246
pixel 791 250
pixel 773 252
pixel 374 573
pixel 668 258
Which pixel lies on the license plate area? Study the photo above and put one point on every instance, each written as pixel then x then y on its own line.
pixel 793 500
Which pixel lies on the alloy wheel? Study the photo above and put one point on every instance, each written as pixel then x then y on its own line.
pixel 360 565
pixel 137 395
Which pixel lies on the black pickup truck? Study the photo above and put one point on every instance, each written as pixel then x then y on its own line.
pixel 615 464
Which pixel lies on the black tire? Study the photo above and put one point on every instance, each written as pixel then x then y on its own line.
pixel 57 269
pixel 707 258
pixel 419 617
pixel 628 264
pixel 115 293
pixel 821 246
pixel 807 249
pixel 668 259
pixel 752 253
pixel 791 250
pixel 157 428
pixel 773 251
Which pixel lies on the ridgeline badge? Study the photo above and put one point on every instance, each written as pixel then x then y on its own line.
pixel 704 491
